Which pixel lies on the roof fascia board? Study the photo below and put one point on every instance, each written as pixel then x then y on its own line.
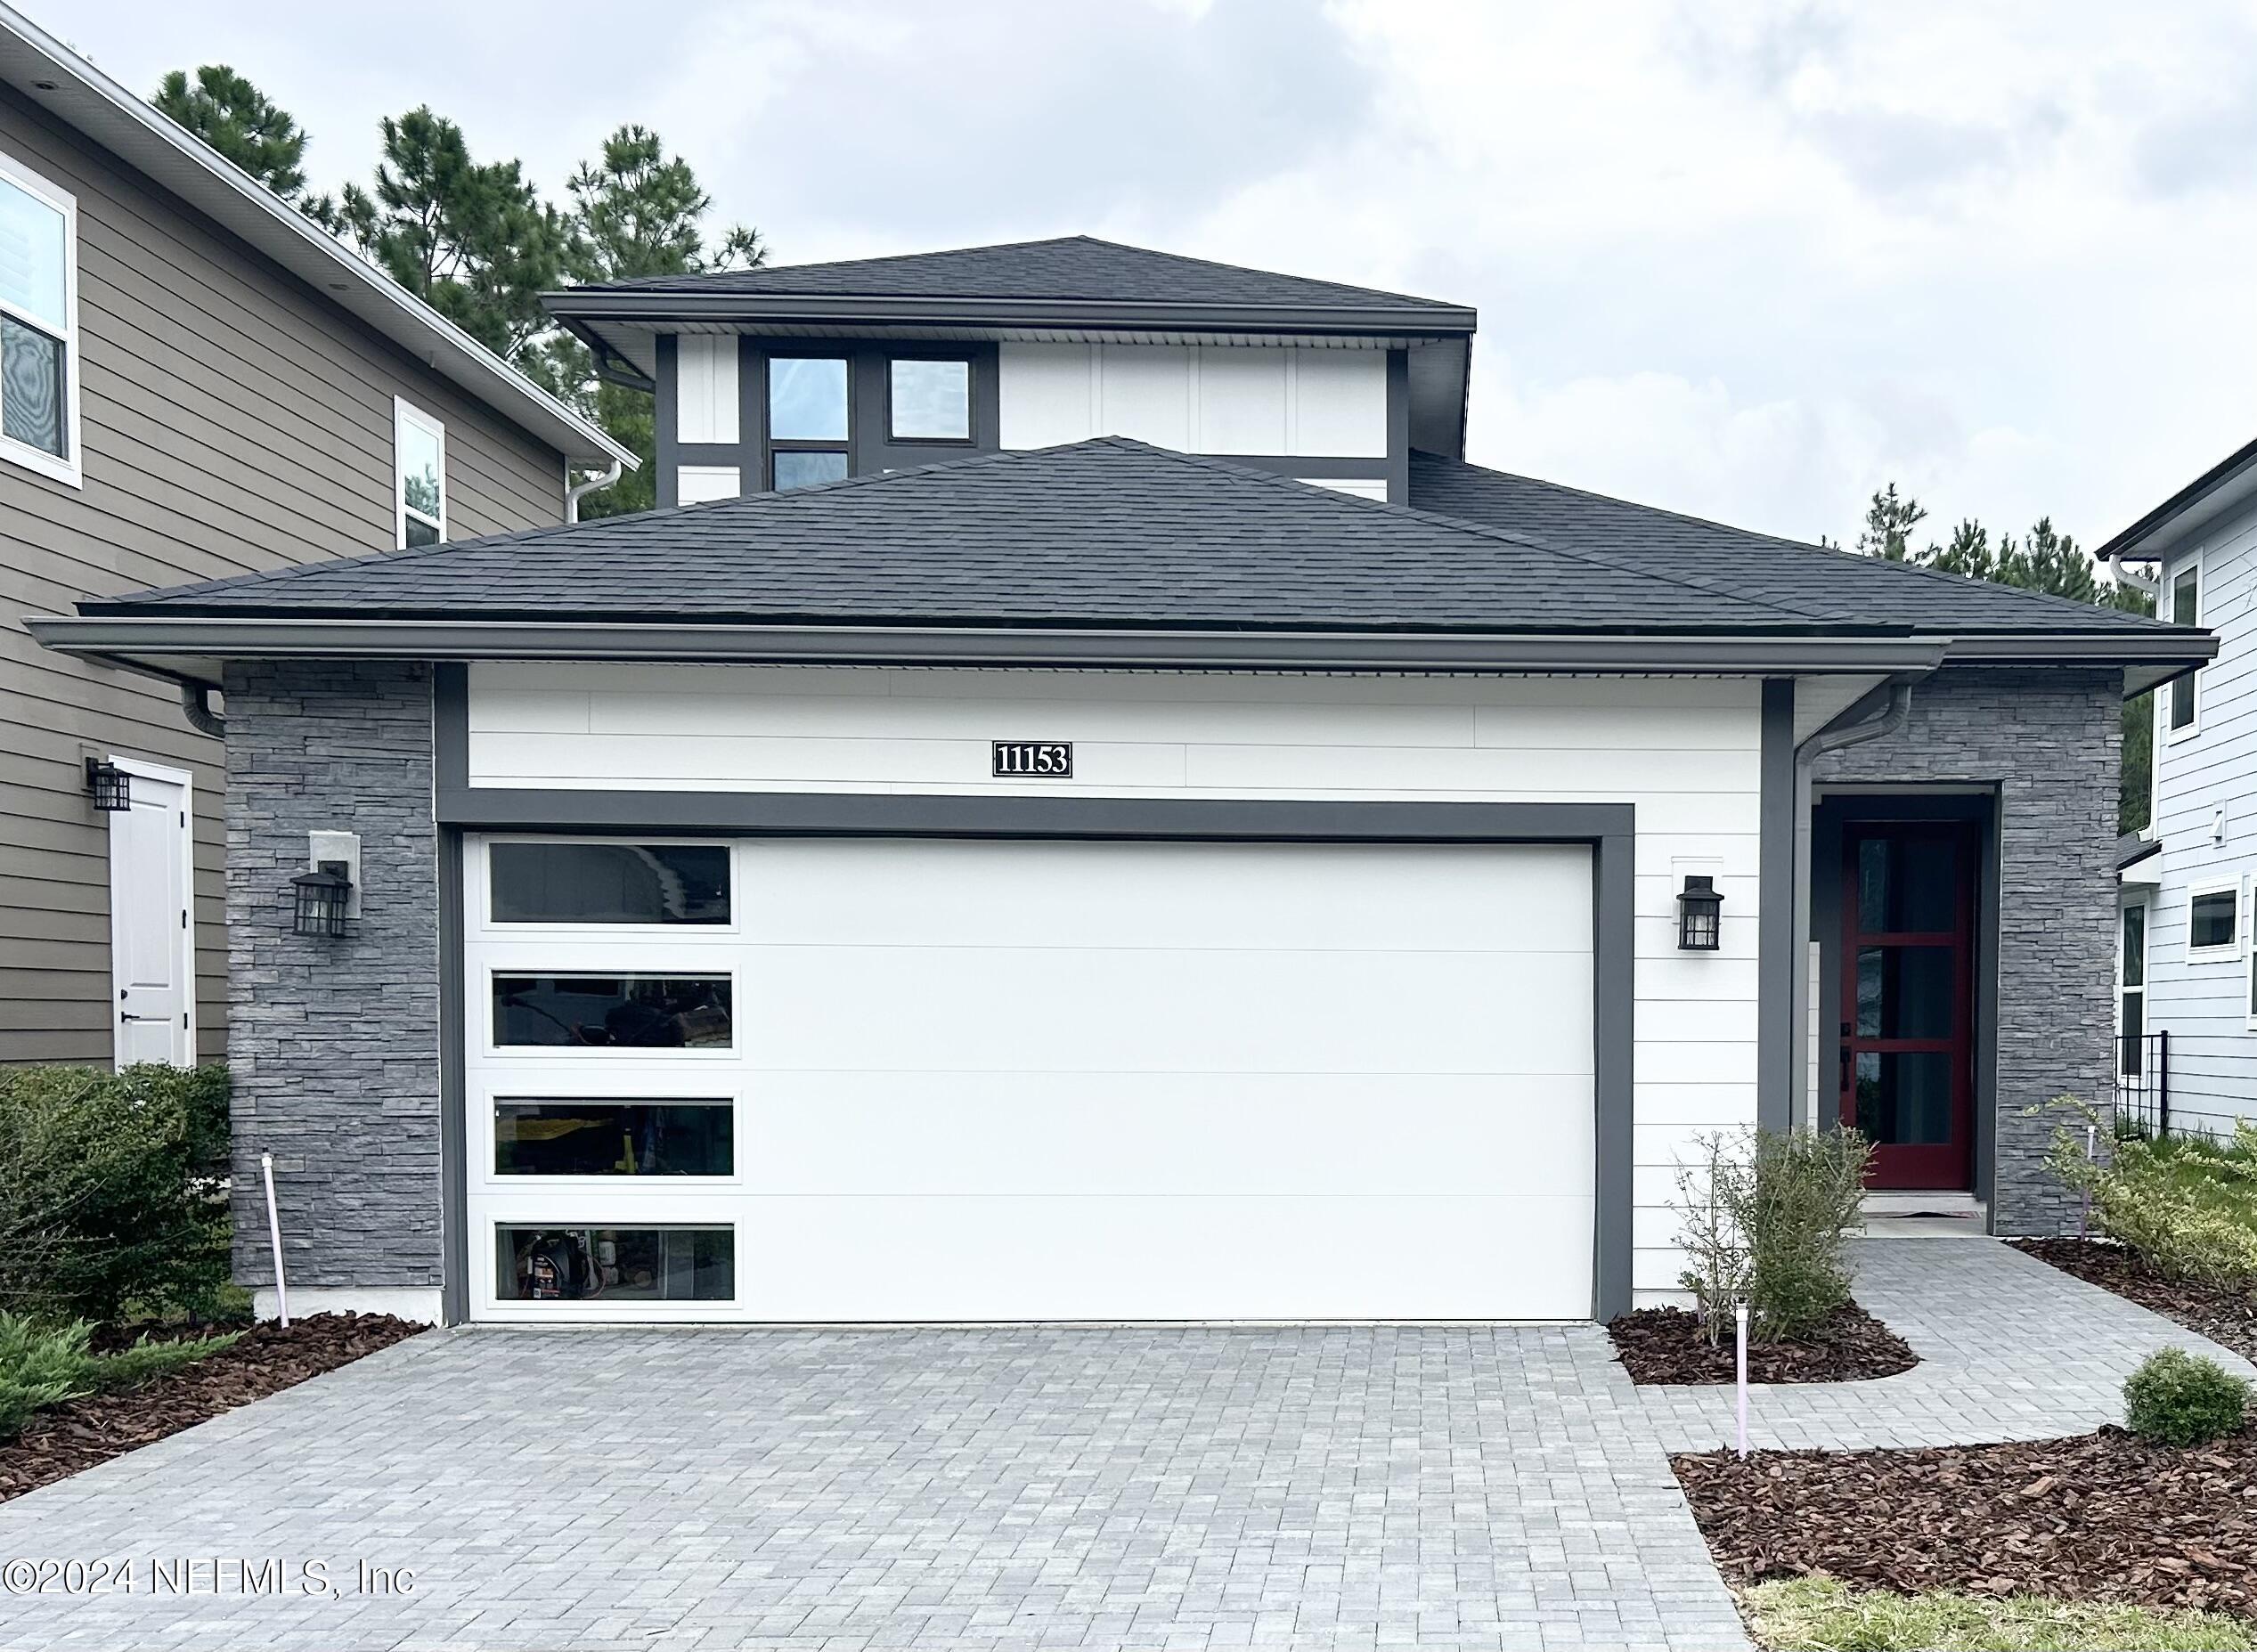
pixel 125 639
pixel 139 134
pixel 657 308
pixel 2190 506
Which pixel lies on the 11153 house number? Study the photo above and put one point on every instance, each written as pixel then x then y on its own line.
pixel 1041 760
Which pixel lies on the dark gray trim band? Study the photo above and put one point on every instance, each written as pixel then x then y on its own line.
pixel 1610 828
pixel 454 1195
pixel 1775 914
pixel 848 314
pixel 666 422
pixel 1398 426
pixel 129 639
pixel 1310 465
pixel 450 726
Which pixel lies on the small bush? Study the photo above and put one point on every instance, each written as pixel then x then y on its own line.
pixel 2188 1207
pixel 42 1365
pixel 1767 1217
pixel 2178 1398
pixel 112 1191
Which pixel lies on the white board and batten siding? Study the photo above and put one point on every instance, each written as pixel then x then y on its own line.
pixel 1282 400
pixel 1685 753
pixel 2205 813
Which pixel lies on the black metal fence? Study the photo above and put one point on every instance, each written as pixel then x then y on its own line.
pixel 2143 1083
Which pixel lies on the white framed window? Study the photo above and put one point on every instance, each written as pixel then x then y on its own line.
pixel 2213 921
pixel 38 324
pixel 420 473
pixel 2180 704
pixel 2131 988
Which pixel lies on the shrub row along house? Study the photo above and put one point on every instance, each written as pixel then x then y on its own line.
pixel 1082 804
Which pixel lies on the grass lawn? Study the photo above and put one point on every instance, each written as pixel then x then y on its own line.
pixel 1819 1614
pixel 2219 1172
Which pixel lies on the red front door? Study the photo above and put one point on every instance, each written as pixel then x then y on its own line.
pixel 1908 1000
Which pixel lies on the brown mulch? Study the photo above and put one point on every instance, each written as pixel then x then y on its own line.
pixel 2224 1316
pixel 78 1434
pixel 1666 1346
pixel 2101 1517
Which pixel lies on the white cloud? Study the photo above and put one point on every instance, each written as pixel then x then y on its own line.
pixel 1745 259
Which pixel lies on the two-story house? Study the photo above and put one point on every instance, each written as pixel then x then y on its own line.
pixel 195 382
pixel 1086 806
pixel 2186 996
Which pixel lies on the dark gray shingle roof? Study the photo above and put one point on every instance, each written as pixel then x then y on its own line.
pixel 1071 267
pixel 1812 579
pixel 1113 533
pixel 1108 531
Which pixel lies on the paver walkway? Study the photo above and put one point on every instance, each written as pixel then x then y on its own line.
pixel 1165 1488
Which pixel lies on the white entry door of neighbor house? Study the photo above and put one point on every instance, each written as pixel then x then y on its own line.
pixel 152 935
pixel 850 1079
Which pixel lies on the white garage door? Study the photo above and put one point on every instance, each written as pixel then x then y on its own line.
pixel 855 1079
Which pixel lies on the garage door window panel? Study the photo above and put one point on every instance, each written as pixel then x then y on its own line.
pixel 584 1010
pixel 562 1264
pixel 614 1138
pixel 647 885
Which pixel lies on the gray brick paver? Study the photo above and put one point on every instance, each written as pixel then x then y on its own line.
pixel 1457 1486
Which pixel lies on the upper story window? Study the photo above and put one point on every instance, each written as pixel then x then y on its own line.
pixel 929 401
pixel 419 454
pixel 807 420
pixel 2186 609
pixel 38 324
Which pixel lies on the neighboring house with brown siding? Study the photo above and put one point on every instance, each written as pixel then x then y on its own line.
pixel 195 382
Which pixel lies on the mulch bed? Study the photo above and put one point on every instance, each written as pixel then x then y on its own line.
pixel 1666 1346
pixel 2101 1517
pixel 2224 1316
pixel 78 1434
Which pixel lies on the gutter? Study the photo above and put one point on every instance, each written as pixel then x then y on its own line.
pixel 581 490
pixel 852 312
pixel 132 639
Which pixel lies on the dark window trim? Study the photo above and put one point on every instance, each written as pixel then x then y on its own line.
pixel 965 442
pixel 771 446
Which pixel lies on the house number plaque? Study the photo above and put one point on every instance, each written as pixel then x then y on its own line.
pixel 1037 759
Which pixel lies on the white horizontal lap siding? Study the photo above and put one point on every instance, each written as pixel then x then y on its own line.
pixel 1197 398
pixel 2203 1000
pixel 1684 753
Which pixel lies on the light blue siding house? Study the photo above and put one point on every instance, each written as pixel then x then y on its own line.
pixel 2188 1006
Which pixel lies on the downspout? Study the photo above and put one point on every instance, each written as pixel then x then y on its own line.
pixel 579 491
pixel 195 699
pixel 1836 736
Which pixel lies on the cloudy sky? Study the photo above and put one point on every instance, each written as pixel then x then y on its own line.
pixel 1748 261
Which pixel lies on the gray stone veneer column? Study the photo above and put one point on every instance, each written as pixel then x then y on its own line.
pixel 334 1042
pixel 2049 741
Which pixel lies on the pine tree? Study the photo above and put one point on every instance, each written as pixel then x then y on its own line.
pixel 474 241
pixel 245 126
pixel 1889 522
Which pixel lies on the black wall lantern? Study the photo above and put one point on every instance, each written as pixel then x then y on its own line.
pixel 320 896
pixel 1700 916
pixel 110 787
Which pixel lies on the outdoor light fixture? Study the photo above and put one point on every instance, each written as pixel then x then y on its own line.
pixel 320 896
pixel 110 787
pixel 1700 915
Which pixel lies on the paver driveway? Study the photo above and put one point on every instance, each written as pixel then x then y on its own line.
pixel 1455 1486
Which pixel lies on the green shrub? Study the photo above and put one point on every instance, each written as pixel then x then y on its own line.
pixel 112 1189
pixel 42 1365
pixel 2178 1398
pixel 1767 1217
pixel 2185 1206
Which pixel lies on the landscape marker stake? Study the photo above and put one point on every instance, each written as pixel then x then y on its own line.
pixel 275 1237
pixel 1740 1362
